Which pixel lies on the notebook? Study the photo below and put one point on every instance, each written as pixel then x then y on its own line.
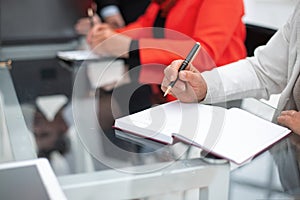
pixel 233 134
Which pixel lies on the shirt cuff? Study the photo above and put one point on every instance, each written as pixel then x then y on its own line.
pixel 215 91
pixel 108 11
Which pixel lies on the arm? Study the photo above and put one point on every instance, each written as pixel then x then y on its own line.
pixel 115 45
pixel 259 76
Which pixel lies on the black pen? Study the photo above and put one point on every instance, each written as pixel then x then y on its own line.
pixel 184 64
pixel 90 12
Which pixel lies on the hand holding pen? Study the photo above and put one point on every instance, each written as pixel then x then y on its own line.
pixel 84 25
pixel 184 64
pixel 186 85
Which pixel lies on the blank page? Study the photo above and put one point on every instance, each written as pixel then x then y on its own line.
pixel 243 135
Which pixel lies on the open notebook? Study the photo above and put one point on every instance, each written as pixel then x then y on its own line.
pixel 233 134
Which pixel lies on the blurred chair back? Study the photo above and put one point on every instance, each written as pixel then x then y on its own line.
pixel 257 36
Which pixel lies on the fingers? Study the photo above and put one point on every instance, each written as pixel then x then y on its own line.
pixel 98 33
pixel 82 26
pixel 290 119
pixel 171 72
pixel 180 85
pixel 93 31
pixel 287 118
pixel 189 76
pixel 288 112
pixel 284 120
pixel 190 87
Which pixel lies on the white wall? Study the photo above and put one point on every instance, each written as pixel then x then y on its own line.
pixel 268 13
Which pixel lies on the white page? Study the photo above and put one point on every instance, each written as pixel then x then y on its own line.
pixel 78 55
pixel 105 72
pixel 233 134
pixel 243 135
pixel 162 121
pixel 151 123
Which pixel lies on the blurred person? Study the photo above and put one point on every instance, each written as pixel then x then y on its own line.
pixel 116 13
pixel 50 135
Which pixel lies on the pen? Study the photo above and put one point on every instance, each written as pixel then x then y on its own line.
pixel 184 64
pixel 91 15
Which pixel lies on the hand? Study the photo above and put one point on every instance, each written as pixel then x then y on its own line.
pixel 290 119
pixel 83 25
pixel 104 40
pixel 115 21
pixel 191 87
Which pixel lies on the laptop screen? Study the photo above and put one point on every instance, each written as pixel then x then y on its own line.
pixel 28 180
pixel 22 183
pixel 38 21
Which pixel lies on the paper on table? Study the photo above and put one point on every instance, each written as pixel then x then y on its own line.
pixel 78 55
pixel 105 72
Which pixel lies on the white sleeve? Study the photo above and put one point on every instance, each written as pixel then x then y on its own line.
pixel 259 76
pixel 234 81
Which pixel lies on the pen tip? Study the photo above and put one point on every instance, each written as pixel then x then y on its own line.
pixel 167 91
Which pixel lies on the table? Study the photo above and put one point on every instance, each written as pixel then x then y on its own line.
pixel 264 177
pixel 142 178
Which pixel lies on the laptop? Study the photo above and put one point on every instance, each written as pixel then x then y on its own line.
pixel 39 21
pixel 28 180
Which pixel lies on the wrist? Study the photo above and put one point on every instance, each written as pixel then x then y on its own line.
pixel 203 93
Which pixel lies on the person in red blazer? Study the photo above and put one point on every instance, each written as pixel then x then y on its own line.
pixel 216 24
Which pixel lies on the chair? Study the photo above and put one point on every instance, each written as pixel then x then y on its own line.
pixel 256 36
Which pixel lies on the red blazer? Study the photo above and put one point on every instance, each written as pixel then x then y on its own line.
pixel 216 24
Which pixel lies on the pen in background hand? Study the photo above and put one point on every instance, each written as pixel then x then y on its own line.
pixel 90 12
pixel 184 64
